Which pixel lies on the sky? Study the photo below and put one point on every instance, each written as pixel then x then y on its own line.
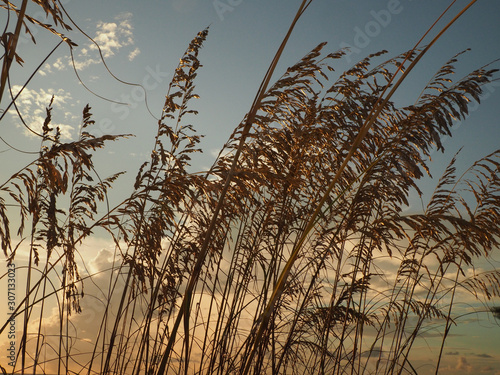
pixel 142 42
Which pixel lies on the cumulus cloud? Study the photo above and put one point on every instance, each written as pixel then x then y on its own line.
pixel 32 106
pixel 84 326
pixel 111 38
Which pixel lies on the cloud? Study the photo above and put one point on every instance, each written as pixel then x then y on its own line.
pixel 463 365
pixel 84 326
pixel 32 106
pixel 45 69
pixel 132 55
pixel 484 355
pixel 111 38
pixel 103 261
pixel 62 63
pixel 375 353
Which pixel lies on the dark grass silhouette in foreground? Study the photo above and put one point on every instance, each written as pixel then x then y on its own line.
pixel 274 260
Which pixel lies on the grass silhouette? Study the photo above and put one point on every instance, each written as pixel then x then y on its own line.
pixel 275 260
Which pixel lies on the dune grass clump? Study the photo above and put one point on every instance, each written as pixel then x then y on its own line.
pixel 293 254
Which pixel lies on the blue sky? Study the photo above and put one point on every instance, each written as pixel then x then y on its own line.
pixel 143 41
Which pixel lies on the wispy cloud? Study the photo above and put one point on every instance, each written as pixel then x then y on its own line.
pixel 132 55
pixel 484 355
pixel 47 68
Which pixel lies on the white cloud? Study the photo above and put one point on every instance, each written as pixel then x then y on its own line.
pixel 61 63
pixel 111 37
pixel 47 68
pixel 132 55
pixel 82 64
pixel 32 104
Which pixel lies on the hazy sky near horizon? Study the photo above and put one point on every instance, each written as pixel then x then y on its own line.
pixel 142 42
